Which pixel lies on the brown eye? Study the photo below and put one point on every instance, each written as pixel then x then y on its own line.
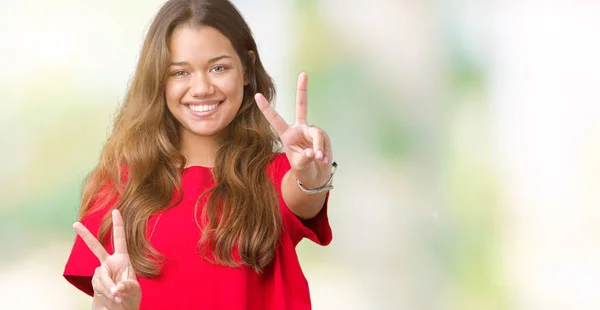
pixel 179 73
pixel 218 69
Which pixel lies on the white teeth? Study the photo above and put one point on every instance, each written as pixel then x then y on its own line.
pixel 203 108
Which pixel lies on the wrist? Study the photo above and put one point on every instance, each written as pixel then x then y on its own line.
pixel 309 180
pixel 316 185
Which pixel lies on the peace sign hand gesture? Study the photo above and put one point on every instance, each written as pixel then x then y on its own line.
pixel 115 284
pixel 307 148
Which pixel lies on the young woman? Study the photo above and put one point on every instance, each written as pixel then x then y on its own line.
pixel 191 206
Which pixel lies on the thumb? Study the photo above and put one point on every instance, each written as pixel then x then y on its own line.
pixel 305 158
pixel 128 288
pixel 128 281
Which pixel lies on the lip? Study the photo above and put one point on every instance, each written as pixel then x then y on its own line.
pixel 203 102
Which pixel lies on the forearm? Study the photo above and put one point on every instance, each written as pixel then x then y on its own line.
pixel 305 206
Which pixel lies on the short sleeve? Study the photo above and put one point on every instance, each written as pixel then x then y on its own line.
pixel 82 263
pixel 317 229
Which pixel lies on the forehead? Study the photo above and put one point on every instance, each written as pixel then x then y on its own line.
pixel 197 43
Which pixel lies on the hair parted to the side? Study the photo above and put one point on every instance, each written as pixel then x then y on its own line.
pixel 142 165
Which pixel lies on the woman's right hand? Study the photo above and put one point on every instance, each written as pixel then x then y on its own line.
pixel 115 283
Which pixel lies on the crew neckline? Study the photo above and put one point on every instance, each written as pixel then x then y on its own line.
pixel 195 167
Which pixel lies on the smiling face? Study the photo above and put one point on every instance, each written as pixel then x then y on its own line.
pixel 205 86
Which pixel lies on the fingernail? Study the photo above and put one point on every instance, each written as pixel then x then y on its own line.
pixel 118 299
pixel 113 289
pixel 320 155
pixel 326 160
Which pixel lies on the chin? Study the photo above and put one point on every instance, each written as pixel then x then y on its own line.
pixel 204 132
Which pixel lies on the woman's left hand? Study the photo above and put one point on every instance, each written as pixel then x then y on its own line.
pixel 308 148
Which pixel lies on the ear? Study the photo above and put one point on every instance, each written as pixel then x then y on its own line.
pixel 252 56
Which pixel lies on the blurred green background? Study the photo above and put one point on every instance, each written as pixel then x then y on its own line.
pixel 467 134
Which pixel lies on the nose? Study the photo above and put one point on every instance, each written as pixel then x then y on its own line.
pixel 201 86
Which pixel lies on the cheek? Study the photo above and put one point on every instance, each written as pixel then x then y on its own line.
pixel 233 88
pixel 174 92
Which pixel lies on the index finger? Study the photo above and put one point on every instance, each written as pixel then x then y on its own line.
pixel 91 241
pixel 301 98
pixel 276 121
pixel 119 233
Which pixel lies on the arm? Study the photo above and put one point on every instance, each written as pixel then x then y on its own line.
pixel 114 282
pixel 308 150
pixel 305 206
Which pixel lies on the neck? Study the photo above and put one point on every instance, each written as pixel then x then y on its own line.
pixel 199 150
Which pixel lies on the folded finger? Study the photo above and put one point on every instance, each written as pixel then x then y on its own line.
pixel 318 138
pixel 327 150
pixel 100 285
pixel 128 287
pixel 104 280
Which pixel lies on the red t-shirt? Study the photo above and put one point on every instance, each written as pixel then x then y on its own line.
pixel 187 281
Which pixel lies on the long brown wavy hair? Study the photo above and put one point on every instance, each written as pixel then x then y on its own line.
pixel 141 165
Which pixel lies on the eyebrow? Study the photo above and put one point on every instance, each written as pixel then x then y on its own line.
pixel 214 59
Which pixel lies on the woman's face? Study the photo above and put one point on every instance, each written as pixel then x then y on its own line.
pixel 206 80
